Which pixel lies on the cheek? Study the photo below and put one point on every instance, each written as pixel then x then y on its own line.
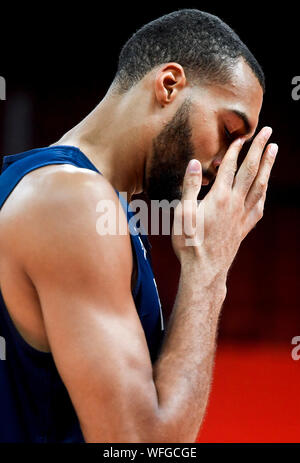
pixel 207 145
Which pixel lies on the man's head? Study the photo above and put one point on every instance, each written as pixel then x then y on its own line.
pixel 208 88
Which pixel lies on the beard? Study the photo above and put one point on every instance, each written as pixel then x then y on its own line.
pixel 172 151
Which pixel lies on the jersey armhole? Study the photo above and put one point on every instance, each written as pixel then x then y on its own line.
pixel 17 335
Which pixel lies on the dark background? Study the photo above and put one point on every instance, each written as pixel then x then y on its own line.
pixel 58 61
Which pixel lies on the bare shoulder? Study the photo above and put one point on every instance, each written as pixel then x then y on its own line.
pixel 52 190
pixel 51 183
pixel 57 209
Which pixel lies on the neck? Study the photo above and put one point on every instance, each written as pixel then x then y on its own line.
pixel 114 139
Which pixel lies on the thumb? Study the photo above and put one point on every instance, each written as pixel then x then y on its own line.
pixel 192 180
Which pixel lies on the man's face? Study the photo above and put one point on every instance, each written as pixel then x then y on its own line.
pixel 203 128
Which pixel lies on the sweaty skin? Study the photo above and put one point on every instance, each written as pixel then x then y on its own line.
pixel 59 293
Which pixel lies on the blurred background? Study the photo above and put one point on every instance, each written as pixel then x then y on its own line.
pixel 58 64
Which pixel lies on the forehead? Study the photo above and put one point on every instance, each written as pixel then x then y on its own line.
pixel 243 93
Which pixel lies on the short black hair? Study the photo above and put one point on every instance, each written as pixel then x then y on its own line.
pixel 205 46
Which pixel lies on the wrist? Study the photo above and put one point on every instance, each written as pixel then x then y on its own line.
pixel 202 273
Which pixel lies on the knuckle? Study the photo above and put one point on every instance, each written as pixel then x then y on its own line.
pixel 230 172
pixel 260 216
pixel 192 181
pixel 269 161
pixel 267 169
pixel 251 168
pixel 257 194
pixel 260 209
pixel 222 197
pixel 228 175
pixel 260 186
pixel 232 165
pixel 256 197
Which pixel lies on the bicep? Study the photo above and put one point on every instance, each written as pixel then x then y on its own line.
pixel 102 358
pixel 83 281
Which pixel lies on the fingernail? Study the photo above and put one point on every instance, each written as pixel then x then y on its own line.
pixel 194 166
pixel 273 149
pixel 267 131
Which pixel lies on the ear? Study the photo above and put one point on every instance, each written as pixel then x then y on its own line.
pixel 169 81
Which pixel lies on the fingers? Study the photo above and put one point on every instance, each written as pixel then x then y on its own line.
pixel 250 166
pixel 185 215
pixel 192 181
pixel 259 186
pixel 254 215
pixel 228 166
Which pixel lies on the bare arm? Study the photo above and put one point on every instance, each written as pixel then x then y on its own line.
pixel 230 210
pixel 96 338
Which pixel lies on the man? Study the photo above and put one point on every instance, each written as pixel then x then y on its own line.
pixel 88 358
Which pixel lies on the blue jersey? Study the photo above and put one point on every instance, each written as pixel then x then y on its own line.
pixel 34 404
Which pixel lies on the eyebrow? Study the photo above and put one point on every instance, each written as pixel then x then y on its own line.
pixel 246 122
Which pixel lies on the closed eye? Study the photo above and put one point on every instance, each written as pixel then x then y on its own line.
pixel 231 136
pixel 228 134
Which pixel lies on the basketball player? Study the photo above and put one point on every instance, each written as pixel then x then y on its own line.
pixel 88 355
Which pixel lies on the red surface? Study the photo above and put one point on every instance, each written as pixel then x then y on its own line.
pixel 255 395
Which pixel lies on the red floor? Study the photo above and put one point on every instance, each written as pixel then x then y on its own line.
pixel 255 395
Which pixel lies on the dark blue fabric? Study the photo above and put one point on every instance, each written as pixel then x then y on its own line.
pixel 34 404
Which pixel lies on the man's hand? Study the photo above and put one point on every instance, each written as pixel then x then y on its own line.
pixel 232 207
